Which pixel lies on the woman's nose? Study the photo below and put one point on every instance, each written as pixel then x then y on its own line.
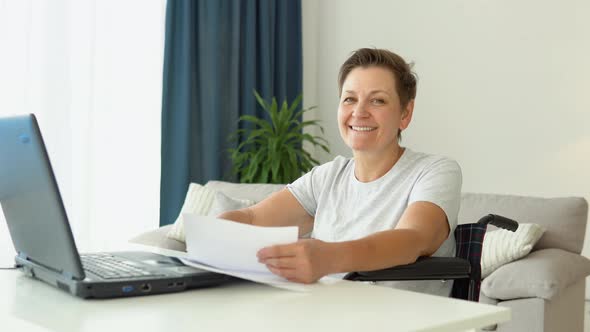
pixel 360 110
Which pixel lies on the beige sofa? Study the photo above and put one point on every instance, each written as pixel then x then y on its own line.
pixel 545 290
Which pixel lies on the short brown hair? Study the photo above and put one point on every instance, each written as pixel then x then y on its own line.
pixel 405 79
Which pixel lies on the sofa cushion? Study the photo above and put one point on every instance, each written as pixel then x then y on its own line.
pixel 223 203
pixel 202 200
pixel 503 246
pixel 158 238
pixel 542 273
pixel 164 237
pixel 564 219
pixel 198 200
pixel 251 191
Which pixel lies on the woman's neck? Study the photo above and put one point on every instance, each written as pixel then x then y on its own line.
pixel 371 166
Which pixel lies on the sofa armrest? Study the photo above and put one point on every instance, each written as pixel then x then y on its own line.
pixel 542 274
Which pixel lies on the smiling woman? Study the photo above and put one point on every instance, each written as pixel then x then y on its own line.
pixel 403 86
pixel 385 207
pixel 370 115
pixel 377 91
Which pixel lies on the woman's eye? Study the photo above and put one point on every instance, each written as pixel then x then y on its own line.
pixel 378 101
pixel 348 100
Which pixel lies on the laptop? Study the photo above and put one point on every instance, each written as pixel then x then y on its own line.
pixel 42 236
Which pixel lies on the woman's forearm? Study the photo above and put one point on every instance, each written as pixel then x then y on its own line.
pixel 377 251
pixel 244 216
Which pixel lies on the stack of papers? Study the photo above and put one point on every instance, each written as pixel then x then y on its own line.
pixel 230 248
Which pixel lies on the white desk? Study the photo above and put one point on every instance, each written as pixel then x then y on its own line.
pixel 30 305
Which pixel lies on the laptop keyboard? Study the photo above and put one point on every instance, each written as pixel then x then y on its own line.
pixel 108 266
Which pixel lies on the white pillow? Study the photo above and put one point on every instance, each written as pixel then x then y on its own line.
pixel 214 203
pixel 224 203
pixel 502 246
pixel 198 200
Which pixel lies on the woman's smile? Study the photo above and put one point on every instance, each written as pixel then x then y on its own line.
pixel 362 128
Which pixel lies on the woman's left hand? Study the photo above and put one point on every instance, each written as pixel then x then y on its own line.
pixel 304 261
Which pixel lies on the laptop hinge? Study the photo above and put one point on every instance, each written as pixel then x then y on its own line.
pixel 25 257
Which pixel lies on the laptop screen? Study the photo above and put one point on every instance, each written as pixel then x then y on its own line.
pixel 31 201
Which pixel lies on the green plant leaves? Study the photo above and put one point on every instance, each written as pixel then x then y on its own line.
pixel 272 150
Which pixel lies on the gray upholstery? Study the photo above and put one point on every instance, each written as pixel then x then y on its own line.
pixel 544 274
pixel 564 312
pixel 564 218
pixel 544 290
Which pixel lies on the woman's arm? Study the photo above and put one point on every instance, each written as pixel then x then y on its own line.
pixel 420 232
pixel 279 209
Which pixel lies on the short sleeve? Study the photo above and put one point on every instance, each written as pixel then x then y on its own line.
pixel 440 184
pixel 303 190
pixel 308 189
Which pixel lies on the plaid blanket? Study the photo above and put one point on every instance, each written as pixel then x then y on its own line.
pixel 469 239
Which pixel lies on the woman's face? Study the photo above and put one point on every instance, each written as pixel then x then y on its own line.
pixel 370 113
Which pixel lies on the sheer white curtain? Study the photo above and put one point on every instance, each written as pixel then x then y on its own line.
pixel 91 70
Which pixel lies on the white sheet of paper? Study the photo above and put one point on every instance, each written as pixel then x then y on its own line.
pixel 229 245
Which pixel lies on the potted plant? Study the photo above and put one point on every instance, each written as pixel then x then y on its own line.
pixel 272 150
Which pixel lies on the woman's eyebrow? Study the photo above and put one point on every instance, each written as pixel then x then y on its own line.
pixel 370 92
pixel 378 91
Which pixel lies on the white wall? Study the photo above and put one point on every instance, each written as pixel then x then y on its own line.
pixel 504 85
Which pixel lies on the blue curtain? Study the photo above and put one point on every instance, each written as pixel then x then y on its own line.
pixel 216 53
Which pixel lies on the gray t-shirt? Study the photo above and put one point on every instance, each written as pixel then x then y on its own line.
pixel 347 209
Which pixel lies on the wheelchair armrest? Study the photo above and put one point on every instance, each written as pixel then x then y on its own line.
pixel 499 221
pixel 425 268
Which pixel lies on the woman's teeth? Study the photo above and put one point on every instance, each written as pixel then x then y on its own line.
pixel 362 128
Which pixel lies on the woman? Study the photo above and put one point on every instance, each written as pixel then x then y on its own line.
pixel 386 206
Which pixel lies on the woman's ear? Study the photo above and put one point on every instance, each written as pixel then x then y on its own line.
pixel 407 115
